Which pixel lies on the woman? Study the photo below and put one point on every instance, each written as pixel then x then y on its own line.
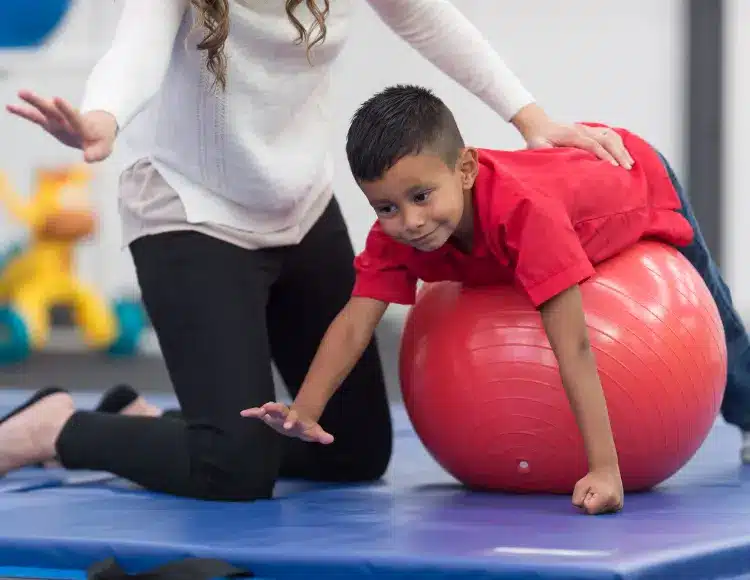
pixel 241 252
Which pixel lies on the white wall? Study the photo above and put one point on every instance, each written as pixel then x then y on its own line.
pixel 736 234
pixel 578 57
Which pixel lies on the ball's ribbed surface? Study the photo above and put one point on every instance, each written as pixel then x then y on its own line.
pixel 482 388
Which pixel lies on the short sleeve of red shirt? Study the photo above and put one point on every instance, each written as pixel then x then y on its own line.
pixel 547 253
pixel 382 272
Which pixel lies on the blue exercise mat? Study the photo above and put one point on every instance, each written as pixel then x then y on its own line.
pixel 417 523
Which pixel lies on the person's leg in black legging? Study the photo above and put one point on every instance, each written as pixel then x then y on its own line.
pixel 315 284
pixel 207 302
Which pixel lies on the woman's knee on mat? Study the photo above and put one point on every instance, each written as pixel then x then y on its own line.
pixel 238 464
pixel 367 459
pixel 363 444
pixel 355 459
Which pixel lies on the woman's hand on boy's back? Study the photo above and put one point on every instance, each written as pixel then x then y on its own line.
pixel 289 422
pixel 541 132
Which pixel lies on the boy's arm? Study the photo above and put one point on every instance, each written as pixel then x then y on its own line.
pixel 382 278
pixel 341 347
pixel 343 344
pixel 565 324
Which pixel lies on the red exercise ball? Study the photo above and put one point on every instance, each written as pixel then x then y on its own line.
pixel 482 388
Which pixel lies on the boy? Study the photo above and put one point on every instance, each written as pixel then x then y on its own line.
pixel 541 219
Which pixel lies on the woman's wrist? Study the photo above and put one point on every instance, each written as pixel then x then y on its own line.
pixel 529 119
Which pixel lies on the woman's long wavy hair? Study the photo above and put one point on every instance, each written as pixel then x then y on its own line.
pixel 213 17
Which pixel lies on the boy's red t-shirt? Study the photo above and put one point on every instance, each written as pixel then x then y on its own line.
pixel 543 219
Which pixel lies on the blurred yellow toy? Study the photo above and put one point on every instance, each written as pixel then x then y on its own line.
pixel 42 275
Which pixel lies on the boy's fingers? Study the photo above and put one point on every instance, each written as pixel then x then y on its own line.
pixel 291 420
pixel 274 407
pixel 579 495
pixel 595 503
pixel 324 437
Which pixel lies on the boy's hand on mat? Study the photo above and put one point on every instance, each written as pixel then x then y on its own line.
pixel 289 422
pixel 600 492
pixel 93 133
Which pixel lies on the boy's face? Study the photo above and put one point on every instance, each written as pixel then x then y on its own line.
pixel 422 202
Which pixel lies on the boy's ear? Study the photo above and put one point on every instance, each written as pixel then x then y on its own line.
pixel 468 165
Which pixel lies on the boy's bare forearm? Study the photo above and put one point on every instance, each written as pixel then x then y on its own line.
pixel 566 329
pixel 583 388
pixel 343 344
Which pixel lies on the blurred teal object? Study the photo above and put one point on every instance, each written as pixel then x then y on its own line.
pixel 132 320
pixel 29 23
pixel 15 344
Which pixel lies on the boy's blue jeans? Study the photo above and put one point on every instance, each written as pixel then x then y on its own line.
pixel 736 405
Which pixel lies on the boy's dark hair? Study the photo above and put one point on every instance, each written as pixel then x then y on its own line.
pixel 400 121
